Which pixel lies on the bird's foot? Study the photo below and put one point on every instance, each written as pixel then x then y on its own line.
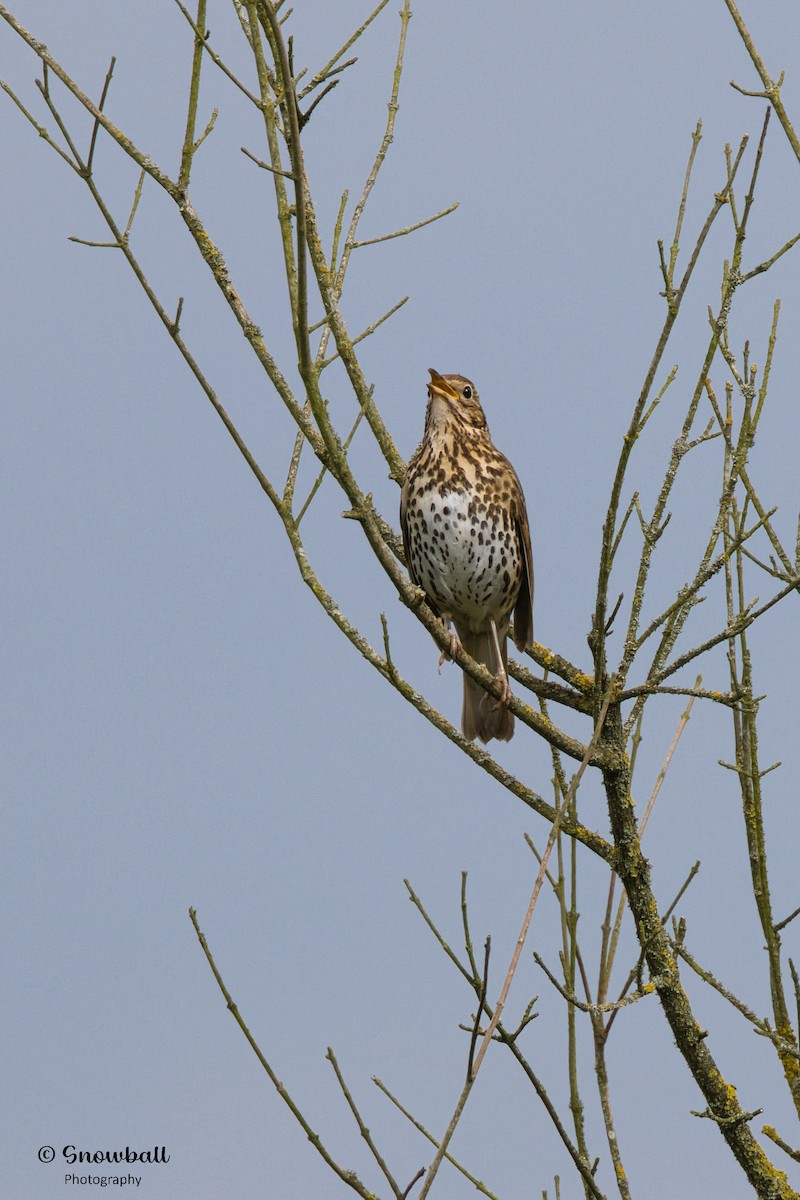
pixel 453 648
pixel 502 700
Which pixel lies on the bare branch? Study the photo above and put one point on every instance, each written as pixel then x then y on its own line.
pixel 362 1128
pixel 346 1175
pixel 387 237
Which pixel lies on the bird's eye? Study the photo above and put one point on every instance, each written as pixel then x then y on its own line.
pixel 467 393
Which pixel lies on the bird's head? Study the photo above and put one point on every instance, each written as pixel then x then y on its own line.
pixel 452 397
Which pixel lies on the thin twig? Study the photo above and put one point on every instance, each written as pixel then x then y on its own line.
pixel 772 1134
pixel 573 788
pixel 387 237
pixel 327 70
pixel 96 126
pixel 761 1026
pixel 362 1128
pixel 40 129
pixel 215 58
pixel 265 166
pixel 476 1183
pixel 786 920
pixel 194 92
pixel 326 362
pixel 772 90
pixel 347 1175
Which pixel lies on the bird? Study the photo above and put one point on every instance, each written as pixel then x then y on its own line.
pixel 467 544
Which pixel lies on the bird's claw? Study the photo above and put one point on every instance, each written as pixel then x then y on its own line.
pixel 453 648
pixel 502 700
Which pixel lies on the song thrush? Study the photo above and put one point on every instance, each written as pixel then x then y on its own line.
pixel 468 545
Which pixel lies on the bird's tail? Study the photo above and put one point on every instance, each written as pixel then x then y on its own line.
pixel 483 716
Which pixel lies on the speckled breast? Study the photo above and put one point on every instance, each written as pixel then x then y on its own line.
pixel 466 555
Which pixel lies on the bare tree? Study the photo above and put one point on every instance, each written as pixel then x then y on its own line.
pixel 642 645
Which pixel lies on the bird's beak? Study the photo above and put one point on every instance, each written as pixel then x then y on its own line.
pixel 439 384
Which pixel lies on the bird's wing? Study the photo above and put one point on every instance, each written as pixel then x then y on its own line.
pixel 523 610
pixel 404 529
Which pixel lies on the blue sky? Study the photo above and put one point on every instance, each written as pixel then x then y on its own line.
pixel 184 726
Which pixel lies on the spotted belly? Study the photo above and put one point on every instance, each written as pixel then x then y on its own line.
pixel 466 556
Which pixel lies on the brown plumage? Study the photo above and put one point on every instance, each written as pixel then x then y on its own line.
pixel 467 543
